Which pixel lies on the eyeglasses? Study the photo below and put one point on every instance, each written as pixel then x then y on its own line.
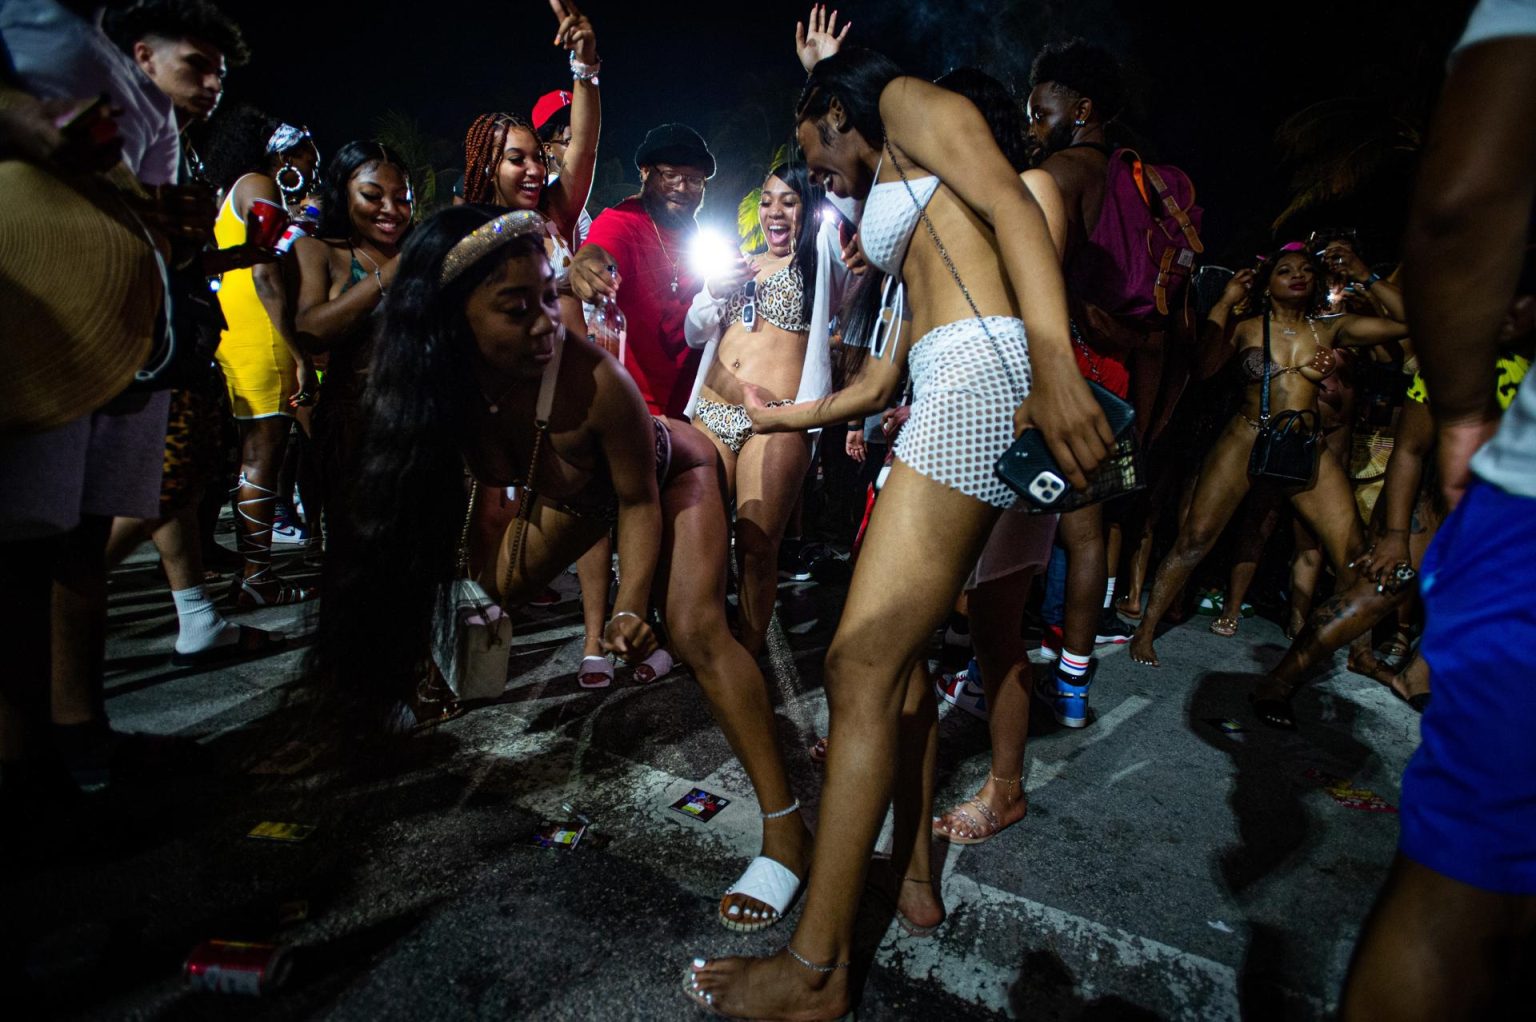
pixel 672 177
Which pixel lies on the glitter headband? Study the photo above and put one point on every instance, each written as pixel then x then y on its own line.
pixel 286 137
pixel 487 238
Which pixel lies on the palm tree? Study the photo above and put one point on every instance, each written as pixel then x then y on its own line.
pixel 423 154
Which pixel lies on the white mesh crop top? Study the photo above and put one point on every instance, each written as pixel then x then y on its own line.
pixel 890 217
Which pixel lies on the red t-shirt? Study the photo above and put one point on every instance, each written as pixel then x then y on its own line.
pixel 656 354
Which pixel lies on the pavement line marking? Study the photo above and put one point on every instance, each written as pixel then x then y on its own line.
pixel 1043 773
pixel 629 799
pixel 1120 775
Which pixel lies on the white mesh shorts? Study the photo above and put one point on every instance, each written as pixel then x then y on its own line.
pixel 962 405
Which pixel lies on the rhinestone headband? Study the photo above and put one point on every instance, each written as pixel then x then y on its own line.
pixel 487 238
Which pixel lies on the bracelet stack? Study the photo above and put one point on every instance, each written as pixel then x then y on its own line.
pixel 584 72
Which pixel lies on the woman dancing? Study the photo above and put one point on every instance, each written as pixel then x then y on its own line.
pixel 1284 291
pixel 925 163
pixel 342 277
pixel 263 365
pixel 765 323
pixel 473 368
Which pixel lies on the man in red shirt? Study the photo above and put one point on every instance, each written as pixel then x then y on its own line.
pixel 638 251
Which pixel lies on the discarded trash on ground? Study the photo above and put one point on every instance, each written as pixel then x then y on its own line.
pixel 1347 795
pixel 566 834
pixel 700 804
pixel 237 967
pixel 269 830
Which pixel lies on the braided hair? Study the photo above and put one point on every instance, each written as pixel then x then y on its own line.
pixel 483 145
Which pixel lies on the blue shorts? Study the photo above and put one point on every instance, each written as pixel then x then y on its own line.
pixel 1469 793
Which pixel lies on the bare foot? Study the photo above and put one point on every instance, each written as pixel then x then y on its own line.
pixel 917 901
pixel 768 988
pixel 1129 607
pixel 1141 647
pixel 1409 686
pixel 785 841
pixel 997 806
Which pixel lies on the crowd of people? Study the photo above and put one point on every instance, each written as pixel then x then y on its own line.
pixel 944 275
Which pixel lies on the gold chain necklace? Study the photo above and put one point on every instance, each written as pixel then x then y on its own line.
pixel 664 254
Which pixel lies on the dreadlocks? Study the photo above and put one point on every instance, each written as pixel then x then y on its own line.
pixel 483 146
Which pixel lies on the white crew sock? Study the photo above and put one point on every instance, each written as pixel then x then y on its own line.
pixel 202 626
pixel 1109 592
pixel 1073 665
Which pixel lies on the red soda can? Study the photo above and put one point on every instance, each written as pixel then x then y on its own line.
pixel 294 232
pixel 237 967
pixel 265 223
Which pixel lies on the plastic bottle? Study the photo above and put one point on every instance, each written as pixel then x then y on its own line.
pixel 607 327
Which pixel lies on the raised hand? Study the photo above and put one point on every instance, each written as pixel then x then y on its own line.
pixel 728 281
pixel 575 31
pixel 821 39
pixel 1237 288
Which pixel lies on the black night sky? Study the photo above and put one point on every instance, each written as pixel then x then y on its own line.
pixel 1211 82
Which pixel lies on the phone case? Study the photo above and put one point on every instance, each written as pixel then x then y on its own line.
pixel 1029 470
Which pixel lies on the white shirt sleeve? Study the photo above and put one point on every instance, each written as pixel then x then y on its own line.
pixel 703 324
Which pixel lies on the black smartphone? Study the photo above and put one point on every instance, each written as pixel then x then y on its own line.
pixel 1028 468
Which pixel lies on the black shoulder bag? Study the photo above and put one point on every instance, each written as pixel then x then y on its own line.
pixel 1286 448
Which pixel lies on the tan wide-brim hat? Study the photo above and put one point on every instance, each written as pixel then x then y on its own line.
pixel 79 290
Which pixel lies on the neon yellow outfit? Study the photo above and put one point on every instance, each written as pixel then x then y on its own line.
pixel 1512 369
pixel 258 366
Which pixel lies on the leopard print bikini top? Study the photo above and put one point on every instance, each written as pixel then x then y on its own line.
pixel 780 300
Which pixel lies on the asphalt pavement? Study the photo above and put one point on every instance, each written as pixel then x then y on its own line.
pixel 1171 866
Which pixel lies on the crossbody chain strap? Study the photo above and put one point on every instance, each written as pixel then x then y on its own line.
pixel 1013 382
pixel 1264 392
pixel 469 517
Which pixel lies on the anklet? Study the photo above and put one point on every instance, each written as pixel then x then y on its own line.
pixel 794 808
pixel 823 969
pixel 1004 780
pixel 917 880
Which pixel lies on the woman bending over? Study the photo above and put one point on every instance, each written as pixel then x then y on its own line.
pixel 473 368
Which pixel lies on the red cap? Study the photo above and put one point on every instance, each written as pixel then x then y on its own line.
pixel 548 105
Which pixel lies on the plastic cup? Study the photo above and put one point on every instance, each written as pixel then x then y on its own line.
pixel 265 223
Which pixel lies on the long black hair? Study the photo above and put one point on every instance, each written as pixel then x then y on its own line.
pixel 237 144
pixel 795 174
pixel 406 500
pixel 855 77
pixel 335 204
pixel 998 106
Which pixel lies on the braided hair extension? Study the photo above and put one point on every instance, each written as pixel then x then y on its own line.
pixel 483 145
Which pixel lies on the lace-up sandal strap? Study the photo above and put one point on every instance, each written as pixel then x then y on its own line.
pixel 823 969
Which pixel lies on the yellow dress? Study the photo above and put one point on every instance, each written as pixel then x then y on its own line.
pixel 258 367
